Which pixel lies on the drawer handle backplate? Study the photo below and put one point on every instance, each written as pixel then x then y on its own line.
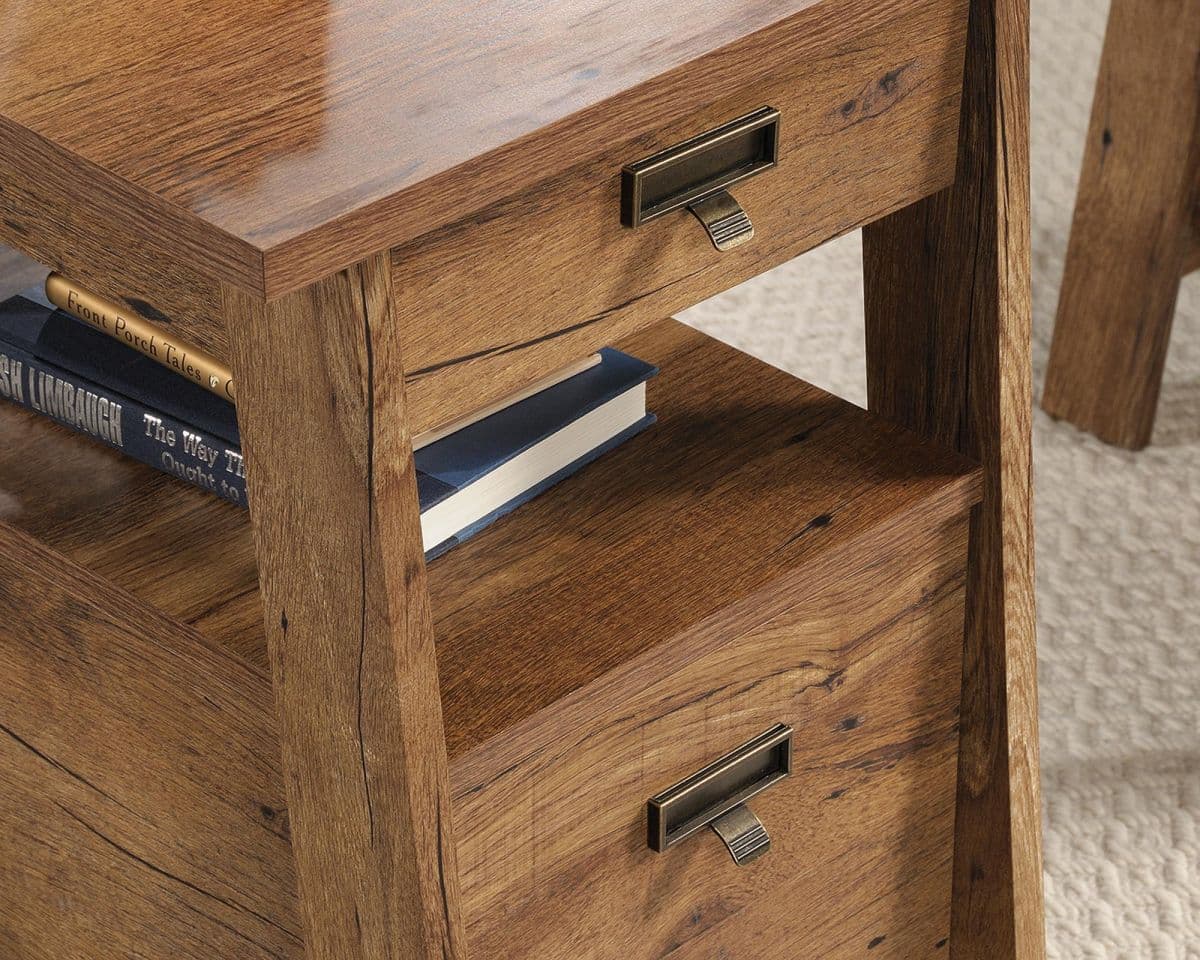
pixel 698 173
pixel 717 796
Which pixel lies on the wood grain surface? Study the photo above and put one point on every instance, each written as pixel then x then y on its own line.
pixel 270 171
pixel 948 354
pixel 311 135
pixel 333 497
pixel 152 819
pixel 184 551
pixel 844 582
pixel 870 112
pixel 1132 238
pixel 748 473
pixel 45 212
pixel 142 812
pixel 744 458
pixel 869 123
pixel 865 664
pixel 1191 260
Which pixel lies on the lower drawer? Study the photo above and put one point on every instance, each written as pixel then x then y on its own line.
pixel 765 554
pixel 866 671
pixel 798 563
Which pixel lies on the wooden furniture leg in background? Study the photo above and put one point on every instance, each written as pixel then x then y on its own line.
pixel 1132 238
pixel 337 532
pixel 948 354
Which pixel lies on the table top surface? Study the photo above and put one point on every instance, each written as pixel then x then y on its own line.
pixel 269 120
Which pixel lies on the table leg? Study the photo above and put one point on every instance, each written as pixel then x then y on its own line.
pixel 349 631
pixel 948 354
pixel 1131 239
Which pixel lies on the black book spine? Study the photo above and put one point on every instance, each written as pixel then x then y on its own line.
pixel 147 435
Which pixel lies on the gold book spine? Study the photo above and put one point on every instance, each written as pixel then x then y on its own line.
pixel 140 334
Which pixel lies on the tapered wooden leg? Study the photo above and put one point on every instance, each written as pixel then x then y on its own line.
pixel 1131 239
pixel 334 507
pixel 948 354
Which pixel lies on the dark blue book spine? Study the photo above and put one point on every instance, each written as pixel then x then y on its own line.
pixel 147 435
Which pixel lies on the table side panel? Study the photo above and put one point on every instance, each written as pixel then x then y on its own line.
pixel 143 808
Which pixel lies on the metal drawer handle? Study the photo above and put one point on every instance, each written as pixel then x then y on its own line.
pixel 697 174
pixel 717 796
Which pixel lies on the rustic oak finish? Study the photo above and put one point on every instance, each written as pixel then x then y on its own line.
pixel 762 627
pixel 499 598
pixel 311 181
pixel 554 852
pixel 338 538
pixel 870 104
pixel 869 124
pixel 196 880
pixel 152 821
pixel 1133 236
pixel 303 182
pixel 948 354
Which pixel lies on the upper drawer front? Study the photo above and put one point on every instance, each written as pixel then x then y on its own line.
pixel 869 123
pixel 553 834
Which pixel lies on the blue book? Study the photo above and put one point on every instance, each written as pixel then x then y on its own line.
pixel 60 339
pixel 56 366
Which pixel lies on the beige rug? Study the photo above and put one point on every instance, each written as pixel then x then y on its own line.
pixel 1118 556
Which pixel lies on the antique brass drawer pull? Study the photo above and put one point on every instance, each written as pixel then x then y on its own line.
pixel 697 174
pixel 717 796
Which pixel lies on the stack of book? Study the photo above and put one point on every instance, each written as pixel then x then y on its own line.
pixel 121 379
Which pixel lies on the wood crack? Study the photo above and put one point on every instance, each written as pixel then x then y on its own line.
pixel 166 874
pixel 65 769
pixel 362 646
pixel 241 935
pixel 441 846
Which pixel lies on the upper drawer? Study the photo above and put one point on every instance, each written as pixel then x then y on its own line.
pixel 868 124
pixel 511 257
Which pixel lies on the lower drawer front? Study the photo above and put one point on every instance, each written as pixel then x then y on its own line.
pixel 866 668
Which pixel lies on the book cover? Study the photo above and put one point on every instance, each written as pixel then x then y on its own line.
pixel 476 450
pixel 59 368
pixel 58 338
pixel 135 332
pixel 146 433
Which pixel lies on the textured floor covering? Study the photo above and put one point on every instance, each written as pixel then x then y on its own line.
pixel 1118 556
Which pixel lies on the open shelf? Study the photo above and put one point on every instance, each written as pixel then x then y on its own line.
pixel 749 472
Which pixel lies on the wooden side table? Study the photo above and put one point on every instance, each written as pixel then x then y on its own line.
pixel 384 216
pixel 1136 230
